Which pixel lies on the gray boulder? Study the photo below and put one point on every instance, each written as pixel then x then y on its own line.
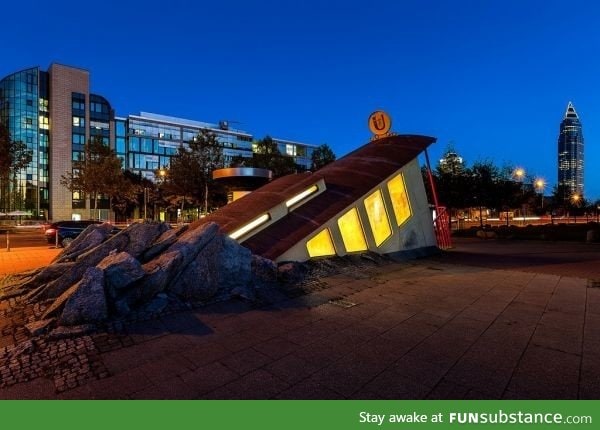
pixel 165 240
pixel 264 271
pixel 141 235
pixel 235 264
pixel 87 303
pixel 89 238
pixel 120 271
pixel 222 266
pixel 159 273
pixel 199 280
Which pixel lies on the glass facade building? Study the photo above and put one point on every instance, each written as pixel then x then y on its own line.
pixel 54 113
pixel 24 110
pixel 570 155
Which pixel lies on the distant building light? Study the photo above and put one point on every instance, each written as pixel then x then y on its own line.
pixel 250 226
pixel 301 196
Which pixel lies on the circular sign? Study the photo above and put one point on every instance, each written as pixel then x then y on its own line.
pixel 380 123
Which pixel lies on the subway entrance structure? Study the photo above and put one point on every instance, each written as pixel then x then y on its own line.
pixel 372 199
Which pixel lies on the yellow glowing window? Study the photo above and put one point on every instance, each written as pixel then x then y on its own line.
pixel 320 245
pixel 378 219
pixel 352 232
pixel 399 196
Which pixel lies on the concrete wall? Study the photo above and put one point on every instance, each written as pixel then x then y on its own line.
pixel 64 81
pixel 417 232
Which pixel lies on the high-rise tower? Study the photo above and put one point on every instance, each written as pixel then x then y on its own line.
pixel 570 155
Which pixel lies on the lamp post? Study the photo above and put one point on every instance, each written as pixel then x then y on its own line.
pixel 540 184
pixel 519 175
pixel 162 173
pixel 575 201
pixel 145 202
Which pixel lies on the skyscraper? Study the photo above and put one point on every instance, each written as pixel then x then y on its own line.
pixel 570 155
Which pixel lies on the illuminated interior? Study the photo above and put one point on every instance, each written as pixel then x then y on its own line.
pixel 250 226
pixel 400 201
pixel 321 245
pixel 378 219
pixel 352 231
pixel 301 196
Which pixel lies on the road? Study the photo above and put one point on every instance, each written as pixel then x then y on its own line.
pixel 23 239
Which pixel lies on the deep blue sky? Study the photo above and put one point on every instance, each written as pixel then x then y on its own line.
pixel 492 77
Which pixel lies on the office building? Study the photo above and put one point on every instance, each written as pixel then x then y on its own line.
pixel 570 155
pixel 54 113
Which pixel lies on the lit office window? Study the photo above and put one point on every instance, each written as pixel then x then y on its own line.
pixel 290 150
pixel 378 219
pixel 78 121
pixel 321 245
pixel 44 122
pixel 400 201
pixel 352 231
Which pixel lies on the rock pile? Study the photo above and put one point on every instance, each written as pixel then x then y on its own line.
pixel 145 265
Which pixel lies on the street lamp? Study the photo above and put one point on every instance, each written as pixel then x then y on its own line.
pixel 575 201
pixel 519 175
pixel 540 184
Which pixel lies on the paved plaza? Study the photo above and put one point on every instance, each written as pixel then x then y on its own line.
pixel 485 320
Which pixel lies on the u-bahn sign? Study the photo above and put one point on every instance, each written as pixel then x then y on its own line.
pixel 380 124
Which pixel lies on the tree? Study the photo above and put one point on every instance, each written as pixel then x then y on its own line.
pixel 190 173
pixel 321 156
pixel 97 173
pixel 14 157
pixel 483 177
pixel 451 182
pixel 267 156
pixel 127 197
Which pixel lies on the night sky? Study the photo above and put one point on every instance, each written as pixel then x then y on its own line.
pixel 493 78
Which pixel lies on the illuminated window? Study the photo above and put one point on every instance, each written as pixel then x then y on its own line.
pixel 352 232
pixel 400 202
pixel 44 122
pixel 378 219
pixel 321 245
pixel 301 196
pixel 290 150
pixel 78 121
pixel 250 226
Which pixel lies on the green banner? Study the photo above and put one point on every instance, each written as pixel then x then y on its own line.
pixel 306 415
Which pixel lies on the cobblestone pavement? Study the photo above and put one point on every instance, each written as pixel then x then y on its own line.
pixel 459 325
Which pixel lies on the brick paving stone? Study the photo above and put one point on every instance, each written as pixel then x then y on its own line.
pixel 276 347
pixel 390 385
pixel 239 341
pixel 167 367
pixel 208 378
pixel 469 373
pixel 591 334
pixel 259 384
pixel 245 361
pixel 168 388
pixel 590 377
pixel 309 389
pixel 447 390
pixel 559 339
pixel 291 369
pixel 202 354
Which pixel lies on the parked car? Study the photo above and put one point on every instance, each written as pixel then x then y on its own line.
pixel 68 231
